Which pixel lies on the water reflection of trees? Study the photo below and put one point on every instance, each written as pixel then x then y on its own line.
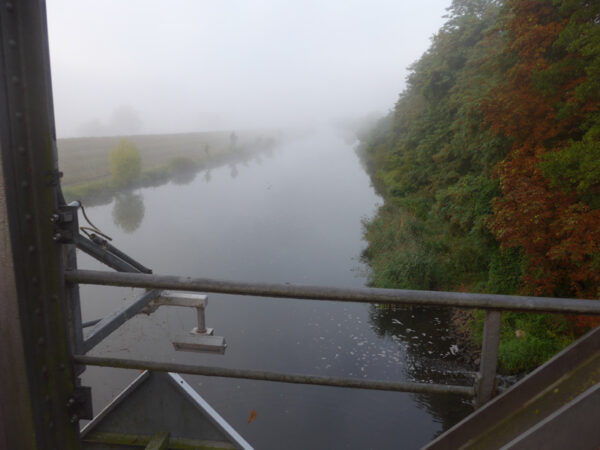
pixel 128 211
pixel 233 171
pixel 184 176
pixel 424 335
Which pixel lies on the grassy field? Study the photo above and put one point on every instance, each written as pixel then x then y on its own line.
pixel 85 160
pixel 85 163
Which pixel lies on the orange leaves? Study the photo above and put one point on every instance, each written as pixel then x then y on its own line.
pixel 558 232
pixel 252 416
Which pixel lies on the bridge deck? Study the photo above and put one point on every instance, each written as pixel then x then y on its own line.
pixel 533 411
pixel 556 406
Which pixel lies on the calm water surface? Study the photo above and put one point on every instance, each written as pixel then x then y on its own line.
pixel 293 215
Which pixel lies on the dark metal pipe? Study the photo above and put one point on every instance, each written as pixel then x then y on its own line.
pixel 97 252
pixel 90 323
pixel 362 295
pixel 118 253
pixel 274 376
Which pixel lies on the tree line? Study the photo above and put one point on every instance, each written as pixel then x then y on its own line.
pixel 489 165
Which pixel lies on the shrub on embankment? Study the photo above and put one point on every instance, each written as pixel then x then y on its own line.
pixel 125 163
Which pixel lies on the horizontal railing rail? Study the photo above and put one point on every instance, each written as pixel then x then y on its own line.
pixel 362 295
pixel 423 388
pixel 493 305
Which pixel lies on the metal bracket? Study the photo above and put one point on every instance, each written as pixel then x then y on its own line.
pixel 79 404
pixel 53 177
pixel 65 224
pixel 63 215
pixel 200 338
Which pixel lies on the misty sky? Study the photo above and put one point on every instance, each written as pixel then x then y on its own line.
pixel 128 66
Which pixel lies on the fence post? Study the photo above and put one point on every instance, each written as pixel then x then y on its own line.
pixel 486 378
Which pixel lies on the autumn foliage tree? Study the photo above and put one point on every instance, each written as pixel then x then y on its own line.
pixel 548 104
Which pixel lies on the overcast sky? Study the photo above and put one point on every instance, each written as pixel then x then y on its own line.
pixel 144 66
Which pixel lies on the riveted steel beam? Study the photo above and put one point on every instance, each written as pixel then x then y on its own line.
pixel 38 392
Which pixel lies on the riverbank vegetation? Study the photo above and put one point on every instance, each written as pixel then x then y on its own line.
pixel 96 169
pixel 125 163
pixel 489 165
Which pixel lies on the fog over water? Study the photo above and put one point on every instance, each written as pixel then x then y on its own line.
pixel 162 67
pixel 260 204
pixel 291 215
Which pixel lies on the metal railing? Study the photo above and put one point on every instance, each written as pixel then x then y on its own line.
pixel 482 390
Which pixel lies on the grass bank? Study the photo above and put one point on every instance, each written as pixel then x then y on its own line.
pixel 173 157
pixel 404 253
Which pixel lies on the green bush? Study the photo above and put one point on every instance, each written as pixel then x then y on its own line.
pixel 125 163
pixel 527 340
pixel 397 254
pixel 506 271
pixel 182 164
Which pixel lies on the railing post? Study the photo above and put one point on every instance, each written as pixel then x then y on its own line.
pixel 486 378
pixel 201 328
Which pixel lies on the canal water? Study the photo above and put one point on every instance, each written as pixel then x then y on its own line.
pixel 292 215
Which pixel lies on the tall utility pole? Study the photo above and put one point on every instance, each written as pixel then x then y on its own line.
pixel 37 379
